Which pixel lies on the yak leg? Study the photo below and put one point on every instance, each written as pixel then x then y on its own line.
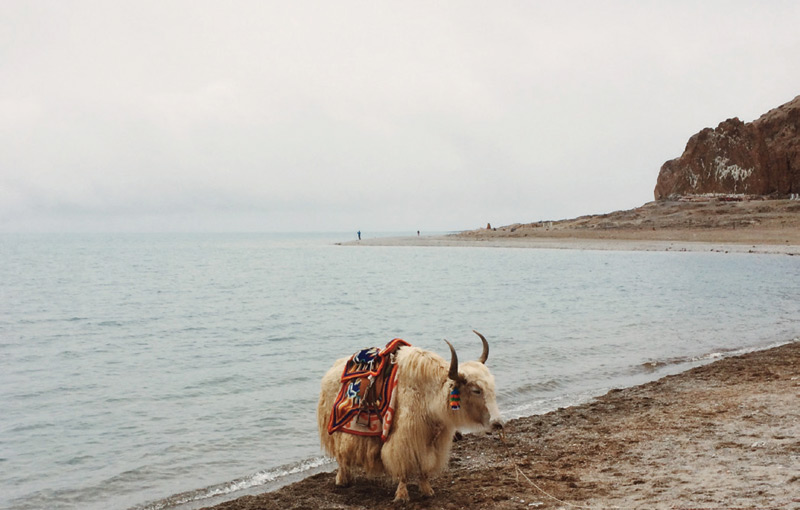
pixel 342 476
pixel 401 495
pixel 425 486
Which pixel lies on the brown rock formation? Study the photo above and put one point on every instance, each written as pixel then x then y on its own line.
pixel 756 158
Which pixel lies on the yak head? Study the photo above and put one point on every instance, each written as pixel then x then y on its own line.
pixel 474 386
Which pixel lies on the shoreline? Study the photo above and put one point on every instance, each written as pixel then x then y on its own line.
pixel 720 434
pixel 710 223
pixel 578 243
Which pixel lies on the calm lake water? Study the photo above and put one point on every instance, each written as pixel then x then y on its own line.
pixel 150 371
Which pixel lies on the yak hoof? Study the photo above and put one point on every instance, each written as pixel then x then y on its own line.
pixel 401 496
pixel 342 478
pixel 425 488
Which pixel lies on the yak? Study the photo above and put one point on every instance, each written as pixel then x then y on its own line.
pixel 425 418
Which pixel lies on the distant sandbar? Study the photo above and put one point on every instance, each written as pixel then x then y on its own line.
pixel 573 243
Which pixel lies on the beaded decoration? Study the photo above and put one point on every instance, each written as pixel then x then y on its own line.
pixel 455 399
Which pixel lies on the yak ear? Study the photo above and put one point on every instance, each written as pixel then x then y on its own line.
pixel 453 372
pixel 485 354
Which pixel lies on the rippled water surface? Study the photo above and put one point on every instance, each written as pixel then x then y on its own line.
pixel 151 370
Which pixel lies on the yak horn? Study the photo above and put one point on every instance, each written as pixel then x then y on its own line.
pixel 485 354
pixel 453 373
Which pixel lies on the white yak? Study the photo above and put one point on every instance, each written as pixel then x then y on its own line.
pixel 418 445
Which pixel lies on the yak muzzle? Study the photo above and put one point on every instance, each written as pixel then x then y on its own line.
pixel 498 428
pixel 495 426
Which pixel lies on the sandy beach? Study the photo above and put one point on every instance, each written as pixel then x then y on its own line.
pixel 579 243
pixel 723 435
pixel 700 224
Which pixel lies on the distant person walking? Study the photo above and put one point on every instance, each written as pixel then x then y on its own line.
pixel 417 233
pixel 359 235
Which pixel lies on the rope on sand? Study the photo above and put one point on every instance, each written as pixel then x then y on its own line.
pixel 572 505
pixel 519 472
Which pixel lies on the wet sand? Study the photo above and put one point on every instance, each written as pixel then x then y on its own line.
pixel 723 435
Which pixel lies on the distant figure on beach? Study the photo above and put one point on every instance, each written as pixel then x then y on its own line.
pixel 417 233
pixel 359 235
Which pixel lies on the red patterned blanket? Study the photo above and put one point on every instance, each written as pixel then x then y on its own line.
pixel 365 404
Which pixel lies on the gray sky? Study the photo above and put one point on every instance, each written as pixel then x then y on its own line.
pixel 336 116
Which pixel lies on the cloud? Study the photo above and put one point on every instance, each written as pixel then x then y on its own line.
pixel 308 116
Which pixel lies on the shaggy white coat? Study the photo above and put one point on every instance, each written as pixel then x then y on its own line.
pixel 418 446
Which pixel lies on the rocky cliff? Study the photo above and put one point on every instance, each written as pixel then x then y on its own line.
pixel 755 158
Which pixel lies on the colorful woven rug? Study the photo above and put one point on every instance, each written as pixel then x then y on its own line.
pixel 365 404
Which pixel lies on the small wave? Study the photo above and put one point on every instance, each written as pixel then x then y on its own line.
pixel 545 405
pixel 280 339
pixel 654 365
pixel 192 329
pixel 535 388
pixel 110 324
pixel 275 478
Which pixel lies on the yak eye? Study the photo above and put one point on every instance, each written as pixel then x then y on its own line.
pixel 476 391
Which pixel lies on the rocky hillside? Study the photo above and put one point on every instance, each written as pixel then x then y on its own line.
pixel 755 158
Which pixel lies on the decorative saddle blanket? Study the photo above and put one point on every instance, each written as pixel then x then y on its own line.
pixel 365 404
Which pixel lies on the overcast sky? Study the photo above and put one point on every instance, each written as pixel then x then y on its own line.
pixel 380 116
